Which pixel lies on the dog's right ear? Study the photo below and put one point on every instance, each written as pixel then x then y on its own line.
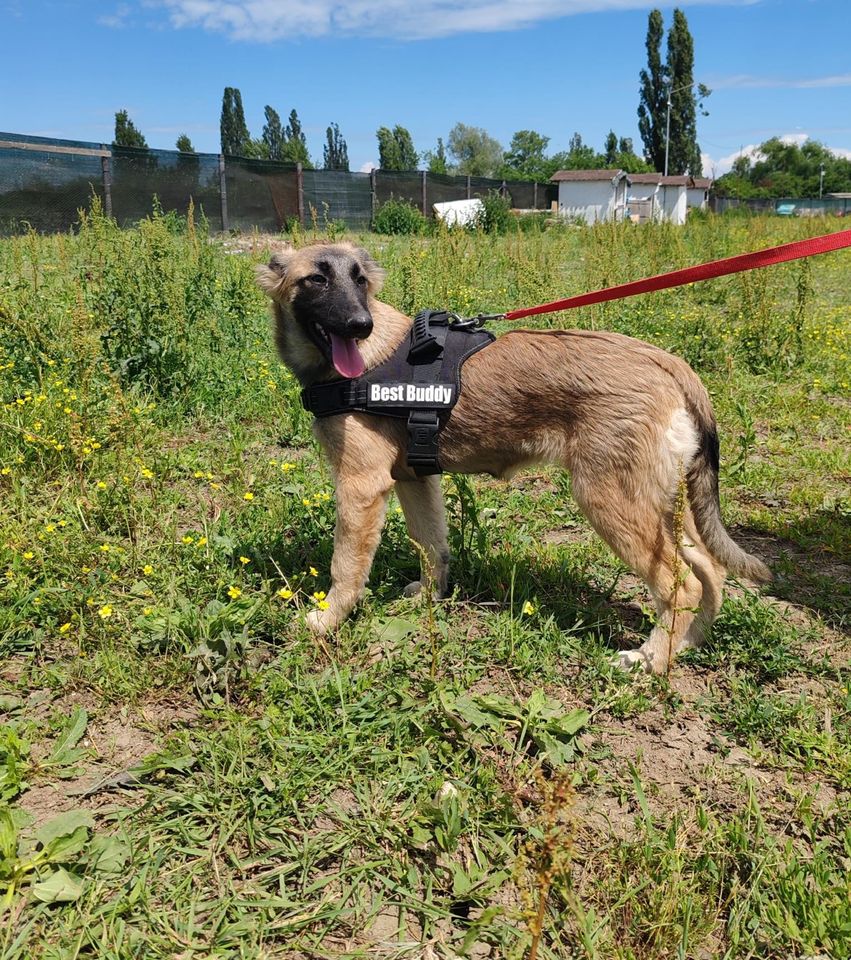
pixel 272 277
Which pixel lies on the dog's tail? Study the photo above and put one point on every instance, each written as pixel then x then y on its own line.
pixel 702 485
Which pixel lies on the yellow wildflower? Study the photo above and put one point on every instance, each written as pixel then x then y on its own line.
pixel 105 612
pixel 244 560
pixel 147 569
pixel 234 592
pixel 248 496
pixel 65 628
pixel 285 594
pixel 528 608
pixel 314 572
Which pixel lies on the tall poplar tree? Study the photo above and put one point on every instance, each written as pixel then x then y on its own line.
pixel 396 149
pixel 273 134
pixel 653 91
pixel 234 132
pixel 683 151
pixel 295 142
pixel 336 155
pixel 675 78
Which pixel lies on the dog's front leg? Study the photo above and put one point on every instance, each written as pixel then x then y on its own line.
pixel 425 515
pixel 361 506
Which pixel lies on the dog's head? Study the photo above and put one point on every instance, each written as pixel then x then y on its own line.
pixel 322 297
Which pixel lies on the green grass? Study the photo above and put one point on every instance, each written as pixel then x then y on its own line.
pixel 185 772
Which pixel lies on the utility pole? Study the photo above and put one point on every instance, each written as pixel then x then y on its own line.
pixel 820 180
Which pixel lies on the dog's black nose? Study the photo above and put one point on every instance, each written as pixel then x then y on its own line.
pixel 359 326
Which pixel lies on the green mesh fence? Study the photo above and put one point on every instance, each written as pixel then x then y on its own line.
pixel 337 196
pixel 45 182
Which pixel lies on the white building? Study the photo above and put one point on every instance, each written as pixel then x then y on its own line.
pixel 596 195
pixel 654 196
pixel 592 195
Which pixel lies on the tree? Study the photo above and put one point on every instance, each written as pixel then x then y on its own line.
pixel 126 134
pixel 234 132
pixel 396 149
pixel 295 142
pixel 273 133
pixel 582 156
pixel 526 157
pixel 618 154
pixel 435 160
pixel 675 80
pixel 783 169
pixel 184 144
pixel 336 155
pixel 653 90
pixel 476 154
pixel 683 150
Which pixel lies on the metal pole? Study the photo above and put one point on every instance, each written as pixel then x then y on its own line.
pixel 107 185
pixel 425 193
pixel 820 180
pixel 299 180
pixel 223 192
pixel 668 130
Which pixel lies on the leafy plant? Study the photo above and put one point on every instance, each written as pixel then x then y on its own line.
pixel 398 217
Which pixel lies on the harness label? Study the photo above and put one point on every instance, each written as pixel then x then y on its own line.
pixel 411 394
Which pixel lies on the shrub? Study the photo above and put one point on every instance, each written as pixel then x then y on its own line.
pixel 399 217
pixel 495 216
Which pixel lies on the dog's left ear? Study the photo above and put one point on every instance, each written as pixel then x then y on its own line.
pixel 271 277
pixel 374 273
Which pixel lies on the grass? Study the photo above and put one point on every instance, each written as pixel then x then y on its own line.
pixel 184 772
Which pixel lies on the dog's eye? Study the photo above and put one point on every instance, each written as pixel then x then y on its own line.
pixel 361 281
pixel 317 278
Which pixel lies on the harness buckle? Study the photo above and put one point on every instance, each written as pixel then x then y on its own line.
pixel 423 429
pixel 473 323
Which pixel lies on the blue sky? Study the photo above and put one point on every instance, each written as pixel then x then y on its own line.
pixel 776 67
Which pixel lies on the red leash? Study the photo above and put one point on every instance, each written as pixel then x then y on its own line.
pixel 705 271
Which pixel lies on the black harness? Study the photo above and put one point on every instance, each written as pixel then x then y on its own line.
pixel 420 382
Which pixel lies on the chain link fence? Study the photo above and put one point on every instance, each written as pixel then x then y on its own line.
pixel 45 182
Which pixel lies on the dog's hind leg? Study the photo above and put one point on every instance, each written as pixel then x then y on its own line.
pixel 711 575
pixel 361 507
pixel 425 515
pixel 642 536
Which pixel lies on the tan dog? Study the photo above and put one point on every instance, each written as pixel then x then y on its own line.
pixel 626 418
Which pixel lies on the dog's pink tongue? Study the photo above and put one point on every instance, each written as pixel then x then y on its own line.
pixel 346 357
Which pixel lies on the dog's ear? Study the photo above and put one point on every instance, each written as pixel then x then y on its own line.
pixel 374 273
pixel 272 276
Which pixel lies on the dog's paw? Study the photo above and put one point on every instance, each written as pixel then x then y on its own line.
pixel 636 660
pixel 319 622
pixel 415 589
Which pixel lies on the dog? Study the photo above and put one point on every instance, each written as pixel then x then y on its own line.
pixel 633 425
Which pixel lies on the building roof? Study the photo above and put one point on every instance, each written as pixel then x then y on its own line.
pixel 562 176
pixel 696 183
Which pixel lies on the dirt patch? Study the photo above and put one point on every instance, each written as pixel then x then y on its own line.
pixel 117 739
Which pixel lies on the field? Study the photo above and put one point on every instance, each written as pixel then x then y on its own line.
pixel 185 773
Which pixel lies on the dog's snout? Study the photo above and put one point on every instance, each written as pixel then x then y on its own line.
pixel 359 326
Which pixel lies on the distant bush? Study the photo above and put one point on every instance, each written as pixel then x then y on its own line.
pixel 399 217
pixel 495 215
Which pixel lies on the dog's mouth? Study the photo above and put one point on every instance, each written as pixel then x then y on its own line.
pixel 342 351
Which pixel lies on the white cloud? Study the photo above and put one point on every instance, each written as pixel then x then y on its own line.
pixel 368 167
pixel 270 20
pixel 747 81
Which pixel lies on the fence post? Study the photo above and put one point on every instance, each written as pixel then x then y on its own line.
pixel 223 192
pixel 535 195
pixel 299 180
pixel 425 193
pixel 373 188
pixel 107 183
pixel 469 188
